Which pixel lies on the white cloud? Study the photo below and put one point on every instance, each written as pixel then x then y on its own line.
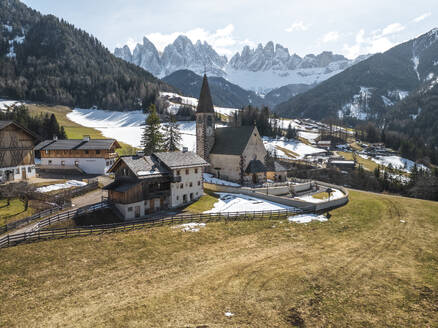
pixel 392 28
pixel 297 26
pixel 422 17
pixel 377 41
pixel 330 37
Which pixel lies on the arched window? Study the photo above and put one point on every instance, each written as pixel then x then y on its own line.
pixel 209 121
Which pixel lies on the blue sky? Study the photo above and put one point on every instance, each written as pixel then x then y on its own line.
pixel 351 27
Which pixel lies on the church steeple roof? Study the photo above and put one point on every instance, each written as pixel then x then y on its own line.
pixel 205 104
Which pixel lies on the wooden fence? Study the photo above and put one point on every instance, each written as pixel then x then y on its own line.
pixel 34 217
pixel 38 234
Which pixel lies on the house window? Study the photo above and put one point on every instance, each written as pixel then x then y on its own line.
pixel 76 163
pixel 199 183
pixel 63 163
pixel 187 172
pixel 17 171
pixel 97 152
pixel 130 209
pixel 47 152
pixel 196 171
pixel 1 173
pixel 178 172
pixel 191 184
pixel 29 169
pixel 107 163
pixel 209 121
pixel 181 185
pixel 50 161
pixel 86 152
pixel 177 197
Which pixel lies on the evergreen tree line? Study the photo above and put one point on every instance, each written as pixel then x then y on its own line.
pixel 59 64
pixel 267 122
pixel 413 148
pixel 154 140
pixel 43 125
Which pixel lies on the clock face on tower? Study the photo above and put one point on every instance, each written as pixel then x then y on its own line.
pixel 209 131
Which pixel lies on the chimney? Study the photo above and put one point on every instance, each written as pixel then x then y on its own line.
pixel 55 137
pixel 86 138
pixel 185 150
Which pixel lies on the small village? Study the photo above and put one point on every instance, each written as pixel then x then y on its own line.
pixel 87 179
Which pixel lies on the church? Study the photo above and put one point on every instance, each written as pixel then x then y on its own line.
pixel 234 153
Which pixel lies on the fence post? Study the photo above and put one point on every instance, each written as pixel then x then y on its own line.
pixel 8 240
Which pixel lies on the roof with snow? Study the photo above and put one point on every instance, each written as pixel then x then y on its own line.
pixel 205 104
pixel 231 141
pixel 75 144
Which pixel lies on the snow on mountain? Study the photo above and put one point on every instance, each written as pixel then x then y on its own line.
pixel 261 70
pixel 359 105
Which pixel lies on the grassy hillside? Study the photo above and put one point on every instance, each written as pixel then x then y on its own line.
pixel 374 264
pixel 72 129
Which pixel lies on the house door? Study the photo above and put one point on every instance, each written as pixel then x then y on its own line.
pixel 137 211
pixel 151 205
pixel 23 173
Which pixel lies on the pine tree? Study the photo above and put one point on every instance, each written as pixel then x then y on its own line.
pixel 291 133
pixel 172 135
pixel 152 139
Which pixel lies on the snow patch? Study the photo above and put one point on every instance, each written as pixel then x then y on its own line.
pixel 8 27
pixel 306 218
pixel 416 62
pixel 310 199
pixel 190 227
pixel 387 101
pixel 229 203
pixel 59 186
pixel 297 147
pixel 209 178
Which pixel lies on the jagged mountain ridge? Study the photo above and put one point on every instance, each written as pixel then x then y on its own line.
pixel 369 89
pixel 261 70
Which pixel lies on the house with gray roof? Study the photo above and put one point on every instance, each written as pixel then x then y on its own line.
pixel 146 184
pixel 87 156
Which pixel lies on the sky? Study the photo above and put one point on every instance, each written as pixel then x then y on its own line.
pixel 348 27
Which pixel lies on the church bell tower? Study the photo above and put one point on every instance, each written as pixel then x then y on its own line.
pixel 205 122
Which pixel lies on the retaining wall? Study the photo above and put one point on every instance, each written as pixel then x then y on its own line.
pixel 259 193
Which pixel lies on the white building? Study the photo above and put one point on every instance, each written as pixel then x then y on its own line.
pixel 146 184
pixel 16 152
pixel 89 156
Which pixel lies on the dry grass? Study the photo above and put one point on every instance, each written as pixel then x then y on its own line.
pixel 288 152
pixel 367 164
pixel 320 195
pixel 14 212
pixel 205 203
pixel 363 268
pixel 72 129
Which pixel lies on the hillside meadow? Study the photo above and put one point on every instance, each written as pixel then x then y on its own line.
pixel 373 264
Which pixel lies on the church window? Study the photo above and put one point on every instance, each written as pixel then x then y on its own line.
pixel 187 172
pixel 209 121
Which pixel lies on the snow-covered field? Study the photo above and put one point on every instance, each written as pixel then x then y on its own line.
pixel 209 178
pixel 335 195
pixel 59 186
pixel 301 149
pixel 126 126
pixel 396 162
pixel 306 218
pixel 7 103
pixel 311 136
pixel 228 203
